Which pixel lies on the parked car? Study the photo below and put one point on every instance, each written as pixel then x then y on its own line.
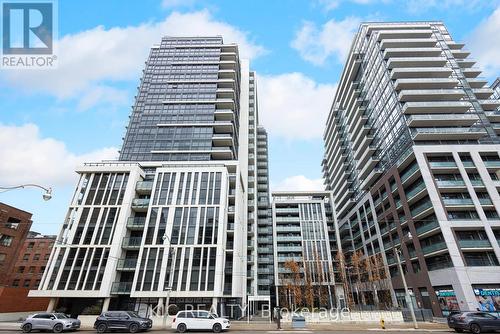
pixel 199 320
pixel 476 322
pixel 122 320
pixel 56 322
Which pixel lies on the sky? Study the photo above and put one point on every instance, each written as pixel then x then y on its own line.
pixel 53 120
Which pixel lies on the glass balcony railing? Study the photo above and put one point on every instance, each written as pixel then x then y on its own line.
pixel 134 242
pixel 421 208
pixel 136 222
pixel 140 202
pixel 485 201
pixel 442 164
pixel 121 287
pixel 474 243
pixel 144 186
pixel 434 247
pixel 492 163
pixel 429 226
pixel 126 264
pixel 458 201
pixel 450 183
pixel 410 194
pixel 477 183
pixel 408 173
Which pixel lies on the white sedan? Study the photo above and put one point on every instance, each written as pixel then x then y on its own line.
pixel 199 320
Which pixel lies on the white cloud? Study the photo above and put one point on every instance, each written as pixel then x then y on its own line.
pixel 101 57
pixel 481 43
pixel 299 183
pixel 334 38
pixel 30 158
pixel 294 106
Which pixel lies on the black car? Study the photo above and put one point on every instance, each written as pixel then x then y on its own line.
pixel 476 322
pixel 122 320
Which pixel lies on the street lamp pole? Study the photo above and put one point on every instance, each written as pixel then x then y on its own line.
pixel 168 289
pixel 46 196
pixel 403 278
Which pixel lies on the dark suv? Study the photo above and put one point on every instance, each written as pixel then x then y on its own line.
pixel 122 320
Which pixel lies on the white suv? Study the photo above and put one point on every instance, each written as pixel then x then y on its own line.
pixel 199 320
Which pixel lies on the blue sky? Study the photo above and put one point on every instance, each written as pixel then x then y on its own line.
pixel 53 120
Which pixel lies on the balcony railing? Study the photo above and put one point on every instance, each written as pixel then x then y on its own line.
pixel 140 203
pixel 458 201
pixel 421 208
pixel 434 247
pixel 474 243
pixel 427 227
pixel 144 186
pixel 121 287
pixel 136 222
pixel 134 242
pixel 408 173
pixel 442 164
pixel 126 264
pixel 450 183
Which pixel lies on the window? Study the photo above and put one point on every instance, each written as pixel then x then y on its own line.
pixel 31 245
pixel 15 282
pixel 27 283
pixel 26 257
pixel 12 223
pixel 20 269
pixel 479 259
pixel 43 316
pixel 31 270
pixel 37 283
pixel 36 257
pixel 6 240
pixel 46 257
pixel 2 258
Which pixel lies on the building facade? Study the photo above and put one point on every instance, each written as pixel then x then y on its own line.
pixel 412 157
pixel 14 227
pixel 167 223
pixel 305 237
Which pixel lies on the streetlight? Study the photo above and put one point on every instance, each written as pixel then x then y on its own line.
pixel 407 294
pixel 46 196
pixel 168 289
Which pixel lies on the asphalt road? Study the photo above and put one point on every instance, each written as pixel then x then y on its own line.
pixel 305 331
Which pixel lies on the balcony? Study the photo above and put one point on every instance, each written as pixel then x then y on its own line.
pixel 411 195
pixel 426 95
pixel 427 227
pixel 421 72
pixel 132 243
pixel 412 62
pixel 492 164
pixel 458 202
pixel 285 249
pixel 446 165
pixel 438 246
pixel 442 120
pixel 222 139
pixel 412 52
pixel 408 43
pixel 126 264
pixel 136 223
pixel 474 243
pixel 489 105
pixel 421 209
pixel 447 133
pixel 436 107
pixel 121 288
pixel 426 83
pixel 404 34
pixel 408 173
pixel 144 187
pixel 450 184
pixel 140 204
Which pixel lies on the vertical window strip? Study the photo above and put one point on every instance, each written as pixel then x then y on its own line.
pixel 142 267
pixel 156 193
pixel 162 226
pixel 101 224
pixel 94 266
pixel 122 191
pixel 177 268
pixel 185 268
pixel 150 231
pixel 171 190
pixel 195 189
pixel 180 188
pixel 182 238
pixel 192 226
pixel 188 189
pixel 201 226
pixel 102 268
pixel 100 190
pixel 210 188
pixel 86 269
pixel 109 188
pixel 110 227
pixel 90 196
pixel 158 270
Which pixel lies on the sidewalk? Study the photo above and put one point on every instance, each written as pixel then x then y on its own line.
pixel 259 326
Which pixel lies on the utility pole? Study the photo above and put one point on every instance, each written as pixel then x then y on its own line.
pixel 407 294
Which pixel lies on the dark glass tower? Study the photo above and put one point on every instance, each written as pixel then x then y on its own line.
pixel 187 107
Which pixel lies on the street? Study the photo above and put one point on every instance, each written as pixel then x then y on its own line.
pixel 286 331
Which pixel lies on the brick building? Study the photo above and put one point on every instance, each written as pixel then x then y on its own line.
pixel 33 257
pixel 14 227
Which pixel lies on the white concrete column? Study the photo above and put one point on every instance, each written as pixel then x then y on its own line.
pixel 160 308
pixel 105 304
pixel 52 304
